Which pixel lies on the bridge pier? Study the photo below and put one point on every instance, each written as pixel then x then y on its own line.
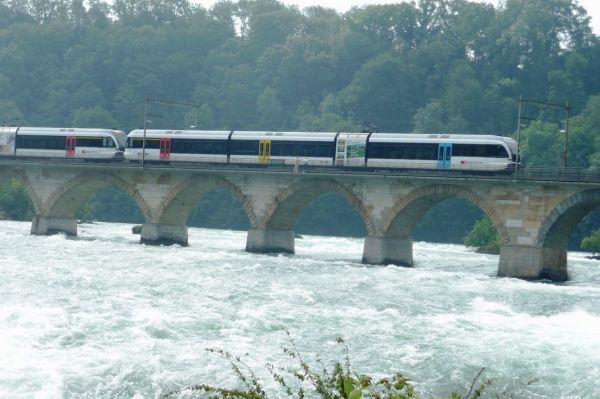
pixel 388 250
pixel 270 241
pixel 164 234
pixel 46 226
pixel 532 263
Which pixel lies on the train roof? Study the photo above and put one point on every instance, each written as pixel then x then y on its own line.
pixel 65 131
pixel 8 129
pixel 439 137
pixel 183 134
pixel 284 136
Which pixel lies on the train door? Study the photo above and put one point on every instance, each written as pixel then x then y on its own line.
pixel 165 149
pixel 444 156
pixel 264 151
pixel 71 142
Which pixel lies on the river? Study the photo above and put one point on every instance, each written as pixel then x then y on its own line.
pixel 100 316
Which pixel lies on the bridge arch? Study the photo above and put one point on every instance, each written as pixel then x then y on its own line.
pixel 559 224
pixel 291 201
pixel 67 199
pixel 182 198
pixel 399 221
pixel 9 173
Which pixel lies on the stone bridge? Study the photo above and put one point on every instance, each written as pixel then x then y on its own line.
pixel 534 219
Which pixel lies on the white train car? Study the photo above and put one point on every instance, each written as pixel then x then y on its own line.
pixel 178 146
pixel 282 147
pixel 87 144
pixel 441 151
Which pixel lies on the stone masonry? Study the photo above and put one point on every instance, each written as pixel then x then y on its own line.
pixel 534 219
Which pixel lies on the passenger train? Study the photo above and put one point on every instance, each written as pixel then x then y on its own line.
pixel 373 150
pixel 86 144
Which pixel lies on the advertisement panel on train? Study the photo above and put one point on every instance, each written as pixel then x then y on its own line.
pixel 351 149
pixel 7 140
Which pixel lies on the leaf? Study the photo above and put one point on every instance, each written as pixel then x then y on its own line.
pixel 348 387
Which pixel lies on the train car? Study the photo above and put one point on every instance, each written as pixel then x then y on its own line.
pixel 87 144
pixel 178 146
pixel 282 147
pixel 441 151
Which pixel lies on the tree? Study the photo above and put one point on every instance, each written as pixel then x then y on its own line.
pixel 592 243
pixel 93 118
pixel 271 112
pixel 15 203
pixel 430 119
pixel 382 93
pixel 484 237
pixel 542 144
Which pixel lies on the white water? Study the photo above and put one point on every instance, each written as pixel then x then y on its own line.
pixel 101 316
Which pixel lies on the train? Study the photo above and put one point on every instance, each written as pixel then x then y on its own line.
pixel 371 150
pixel 75 143
pixel 363 150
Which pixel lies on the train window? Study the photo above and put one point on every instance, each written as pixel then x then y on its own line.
pixel 386 151
pixel 219 148
pixel 402 152
pixel 441 154
pixel 429 153
pixel 420 153
pixel 240 147
pixel 237 147
pixel 108 142
pixel 276 149
pixel 495 151
pixel 207 148
pixel 375 151
pixel 479 151
pixel 288 150
pixel 323 150
pixel 448 153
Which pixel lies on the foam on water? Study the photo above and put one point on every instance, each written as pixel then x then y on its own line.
pixel 101 316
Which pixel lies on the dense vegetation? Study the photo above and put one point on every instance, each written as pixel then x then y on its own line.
pixel 423 66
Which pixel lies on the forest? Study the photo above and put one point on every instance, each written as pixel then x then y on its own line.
pixel 431 66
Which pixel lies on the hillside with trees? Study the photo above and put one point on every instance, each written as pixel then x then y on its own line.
pixel 424 66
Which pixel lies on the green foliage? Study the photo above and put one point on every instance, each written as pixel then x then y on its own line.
pixel 592 243
pixel 484 237
pixel 111 204
pixel 447 222
pixel 341 382
pixel 86 211
pixel 15 203
pixel 219 210
pixel 330 215
pixel 542 144
pixel 93 118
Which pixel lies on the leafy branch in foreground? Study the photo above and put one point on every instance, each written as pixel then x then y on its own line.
pixel 339 383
